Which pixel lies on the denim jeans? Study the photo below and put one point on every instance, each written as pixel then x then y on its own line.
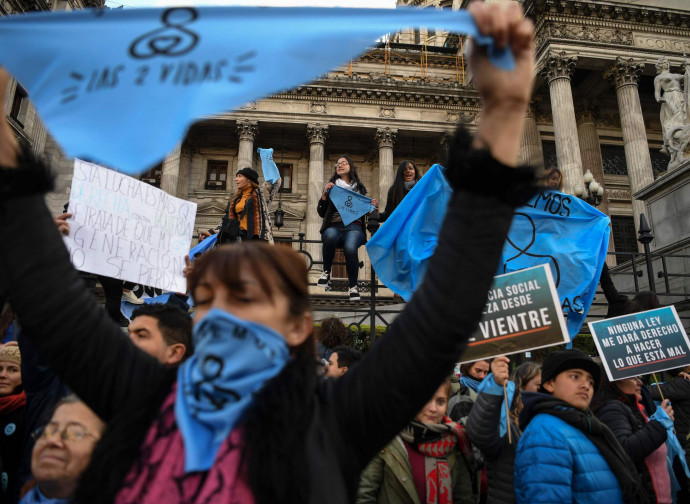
pixel 350 237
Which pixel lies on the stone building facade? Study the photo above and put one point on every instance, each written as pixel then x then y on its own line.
pixel 593 109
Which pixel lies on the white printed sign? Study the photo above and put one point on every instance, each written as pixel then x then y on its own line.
pixel 127 229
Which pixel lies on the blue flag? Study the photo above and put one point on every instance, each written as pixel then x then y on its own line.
pixel 121 87
pixel 203 246
pixel 554 228
pixel 268 166
pixel 399 250
pixel 350 205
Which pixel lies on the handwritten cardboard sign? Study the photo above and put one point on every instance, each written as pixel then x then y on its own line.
pixel 522 313
pixel 641 343
pixel 127 229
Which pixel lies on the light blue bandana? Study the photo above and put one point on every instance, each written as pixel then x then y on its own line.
pixel 232 359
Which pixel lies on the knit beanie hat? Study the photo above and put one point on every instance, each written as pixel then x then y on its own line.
pixel 557 362
pixel 10 354
pixel 250 174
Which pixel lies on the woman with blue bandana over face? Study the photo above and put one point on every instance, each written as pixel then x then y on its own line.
pixel 247 419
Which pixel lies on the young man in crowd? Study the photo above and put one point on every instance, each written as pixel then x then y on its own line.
pixel 565 453
pixel 341 361
pixel 471 375
pixel 163 331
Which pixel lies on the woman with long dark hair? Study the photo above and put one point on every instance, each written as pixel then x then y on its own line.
pixel 246 419
pixel 335 233
pixel 405 179
pixel 641 433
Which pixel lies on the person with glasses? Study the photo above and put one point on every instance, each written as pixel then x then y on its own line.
pixel 62 451
pixel 335 233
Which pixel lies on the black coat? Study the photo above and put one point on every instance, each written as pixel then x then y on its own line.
pixel 352 418
pixel 11 447
pixel 638 437
pixel 326 210
pixel 482 428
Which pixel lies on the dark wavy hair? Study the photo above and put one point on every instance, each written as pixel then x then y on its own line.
pixel 643 301
pixel 332 333
pixel 353 175
pixel 397 191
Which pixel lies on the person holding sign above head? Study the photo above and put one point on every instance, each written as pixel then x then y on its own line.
pixel 643 436
pixel 487 424
pixel 335 233
pixel 246 418
pixel 566 454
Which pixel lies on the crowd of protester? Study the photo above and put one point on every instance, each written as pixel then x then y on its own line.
pixel 244 401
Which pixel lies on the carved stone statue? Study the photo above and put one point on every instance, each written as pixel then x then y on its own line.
pixel 675 112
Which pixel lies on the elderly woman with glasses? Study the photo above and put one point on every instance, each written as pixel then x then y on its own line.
pixel 335 233
pixel 62 451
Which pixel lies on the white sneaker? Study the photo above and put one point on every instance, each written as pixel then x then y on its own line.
pixel 354 294
pixel 324 279
pixel 131 298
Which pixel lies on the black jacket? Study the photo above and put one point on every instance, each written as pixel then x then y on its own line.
pixel 637 437
pixel 499 455
pixel 352 418
pixel 11 447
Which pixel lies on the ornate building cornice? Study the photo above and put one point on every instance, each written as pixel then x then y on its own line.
pixel 642 14
pixel 383 95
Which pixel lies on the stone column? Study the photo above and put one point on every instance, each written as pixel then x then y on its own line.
pixel 531 151
pixel 170 174
pixel 590 148
pixel 185 172
pixel 386 138
pixel 623 75
pixel 316 134
pixel 557 70
pixel 247 131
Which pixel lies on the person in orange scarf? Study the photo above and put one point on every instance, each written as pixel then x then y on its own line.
pixel 12 403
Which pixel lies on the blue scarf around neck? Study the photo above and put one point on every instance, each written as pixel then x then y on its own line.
pixel 34 496
pixel 470 382
pixel 232 359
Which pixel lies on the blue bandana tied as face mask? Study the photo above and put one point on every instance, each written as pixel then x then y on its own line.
pixel 232 359
pixel 470 382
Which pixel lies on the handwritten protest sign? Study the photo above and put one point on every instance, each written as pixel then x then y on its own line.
pixel 127 229
pixel 350 205
pixel 522 313
pixel 175 65
pixel 641 343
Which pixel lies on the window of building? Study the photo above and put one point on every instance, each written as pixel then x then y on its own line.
pixel 286 174
pixel 624 236
pixel 153 176
pixel 339 270
pixel 550 157
pixel 19 103
pixel 613 159
pixel 216 175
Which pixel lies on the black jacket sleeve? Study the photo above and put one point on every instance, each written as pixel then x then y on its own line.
pixel 71 332
pixel 638 441
pixel 322 207
pixel 483 425
pixel 402 371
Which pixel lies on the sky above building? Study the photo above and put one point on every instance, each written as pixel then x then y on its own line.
pixel 380 4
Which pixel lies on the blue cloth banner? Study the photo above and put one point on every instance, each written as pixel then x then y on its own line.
pixel 128 308
pixel 554 228
pixel 268 166
pixel 121 87
pixel 350 205
pixel 400 248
